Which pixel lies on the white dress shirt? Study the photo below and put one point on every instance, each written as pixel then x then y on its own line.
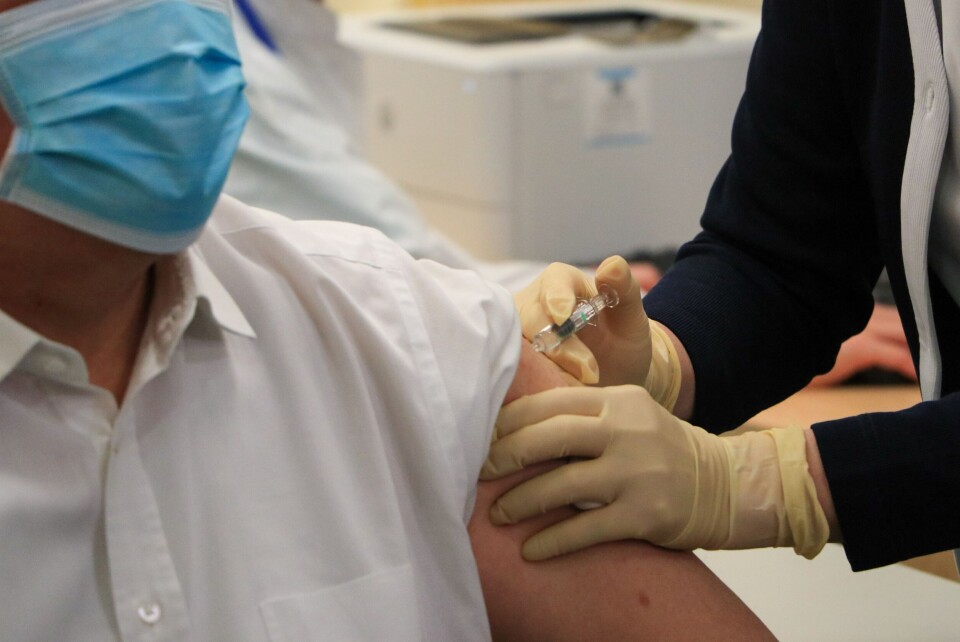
pixel 930 193
pixel 295 458
pixel 945 225
pixel 921 174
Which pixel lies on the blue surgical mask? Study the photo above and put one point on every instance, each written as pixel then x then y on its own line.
pixel 127 114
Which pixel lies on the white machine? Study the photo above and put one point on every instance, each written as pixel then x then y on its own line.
pixel 555 131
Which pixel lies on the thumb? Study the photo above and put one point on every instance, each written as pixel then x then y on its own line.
pixel 615 272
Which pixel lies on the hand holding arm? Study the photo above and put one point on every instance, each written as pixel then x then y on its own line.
pixel 659 478
pixel 626 590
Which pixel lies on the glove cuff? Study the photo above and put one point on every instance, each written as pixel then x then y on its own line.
pixel 773 500
pixel 709 523
pixel 664 377
pixel 808 523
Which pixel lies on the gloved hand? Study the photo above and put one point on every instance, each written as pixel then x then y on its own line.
pixel 656 477
pixel 629 346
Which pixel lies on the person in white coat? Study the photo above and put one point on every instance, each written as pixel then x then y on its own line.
pixel 301 153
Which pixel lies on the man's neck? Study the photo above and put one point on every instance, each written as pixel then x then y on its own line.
pixel 78 290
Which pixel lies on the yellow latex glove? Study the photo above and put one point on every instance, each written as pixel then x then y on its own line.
pixel 656 477
pixel 630 347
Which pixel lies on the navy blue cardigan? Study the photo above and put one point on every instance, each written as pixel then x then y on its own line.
pixel 800 222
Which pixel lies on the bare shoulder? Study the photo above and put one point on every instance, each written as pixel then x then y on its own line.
pixel 536 372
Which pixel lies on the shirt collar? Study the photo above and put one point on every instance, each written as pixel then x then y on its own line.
pixel 18 340
pixel 222 306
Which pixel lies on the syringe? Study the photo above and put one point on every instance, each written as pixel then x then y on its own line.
pixel 583 315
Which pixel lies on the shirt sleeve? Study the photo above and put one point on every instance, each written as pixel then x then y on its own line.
pixel 475 333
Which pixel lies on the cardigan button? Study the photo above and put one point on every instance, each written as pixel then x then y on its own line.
pixel 930 97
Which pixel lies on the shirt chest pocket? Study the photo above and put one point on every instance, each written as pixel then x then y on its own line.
pixel 379 606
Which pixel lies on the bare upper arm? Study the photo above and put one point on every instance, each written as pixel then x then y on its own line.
pixel 622 590
pixel 535 373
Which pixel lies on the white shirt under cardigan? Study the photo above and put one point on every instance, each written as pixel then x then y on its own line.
pixel 295 458
pixel 930 195
pixel 930 199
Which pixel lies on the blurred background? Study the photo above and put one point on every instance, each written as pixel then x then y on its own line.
pixel 569 132
pixel 365 5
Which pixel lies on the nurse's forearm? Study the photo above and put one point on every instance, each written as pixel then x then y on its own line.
pixel 684 410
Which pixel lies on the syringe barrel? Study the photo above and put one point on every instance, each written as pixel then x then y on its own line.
pixel 586 311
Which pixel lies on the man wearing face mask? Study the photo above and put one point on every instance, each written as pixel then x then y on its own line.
pixel 245 427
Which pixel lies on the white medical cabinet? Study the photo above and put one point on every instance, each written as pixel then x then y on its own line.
pixel 555 131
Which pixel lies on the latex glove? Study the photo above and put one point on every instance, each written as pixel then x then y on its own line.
pixel 656 477
pixel 629 346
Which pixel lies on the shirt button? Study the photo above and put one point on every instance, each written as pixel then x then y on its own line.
pixel 149 613
pixel 931 95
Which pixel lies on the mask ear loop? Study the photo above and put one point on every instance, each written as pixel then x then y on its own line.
pixel 10 170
